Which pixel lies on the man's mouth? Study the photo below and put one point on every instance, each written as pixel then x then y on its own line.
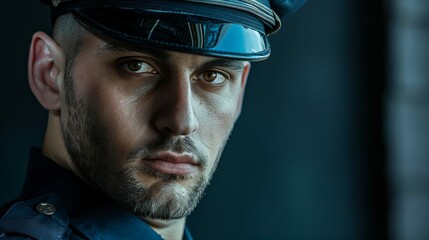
pixel 173 163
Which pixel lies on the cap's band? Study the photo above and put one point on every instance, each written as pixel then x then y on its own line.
pixel 251 6
pixel 177 33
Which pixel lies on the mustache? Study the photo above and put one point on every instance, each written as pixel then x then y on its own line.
pixel 178 145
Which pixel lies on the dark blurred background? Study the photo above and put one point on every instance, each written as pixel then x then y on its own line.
pixel 333 139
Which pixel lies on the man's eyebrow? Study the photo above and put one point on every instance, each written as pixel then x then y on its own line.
pixel 111 48
pixel 231 64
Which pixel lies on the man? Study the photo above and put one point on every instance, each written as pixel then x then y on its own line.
pixel 142 96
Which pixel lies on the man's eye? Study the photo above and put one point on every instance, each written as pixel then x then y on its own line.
pixel 213 77
pixel 137 66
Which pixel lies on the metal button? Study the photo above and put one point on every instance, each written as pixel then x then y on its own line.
pixel 46 209
pixel 55 3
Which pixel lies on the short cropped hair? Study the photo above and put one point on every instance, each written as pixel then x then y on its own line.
pixel 68 33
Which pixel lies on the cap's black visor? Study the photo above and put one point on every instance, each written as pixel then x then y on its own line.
pixel 177 32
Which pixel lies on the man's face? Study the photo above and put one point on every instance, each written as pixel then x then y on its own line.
pixel 147 127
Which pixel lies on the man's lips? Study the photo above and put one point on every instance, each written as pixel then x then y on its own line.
pixel 172 163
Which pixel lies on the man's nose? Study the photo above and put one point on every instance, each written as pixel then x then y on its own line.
pixel 175 115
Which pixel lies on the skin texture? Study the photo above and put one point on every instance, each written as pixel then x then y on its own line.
pixel 120 118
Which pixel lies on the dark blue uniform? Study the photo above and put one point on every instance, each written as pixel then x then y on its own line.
pixel 55 204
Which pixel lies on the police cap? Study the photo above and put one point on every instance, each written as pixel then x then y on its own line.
pixel 224 28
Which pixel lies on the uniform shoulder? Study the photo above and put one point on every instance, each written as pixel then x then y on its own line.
pixel 39 218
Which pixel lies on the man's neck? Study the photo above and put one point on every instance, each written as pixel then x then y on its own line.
pixel 169 230
pixel 53 145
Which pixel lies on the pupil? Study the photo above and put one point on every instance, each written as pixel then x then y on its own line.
pixel 135 65
pixel 210 76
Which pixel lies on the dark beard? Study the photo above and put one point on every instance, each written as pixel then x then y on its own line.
pixel 87 142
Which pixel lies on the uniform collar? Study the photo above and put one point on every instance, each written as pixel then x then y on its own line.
pixel 90 212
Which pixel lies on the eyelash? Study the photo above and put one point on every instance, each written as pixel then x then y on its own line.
pixel 124 65
pixel 218 73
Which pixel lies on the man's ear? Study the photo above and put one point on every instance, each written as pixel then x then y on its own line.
pixel 243 88
pixel 46 64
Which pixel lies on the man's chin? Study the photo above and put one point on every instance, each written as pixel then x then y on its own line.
pixel 165 201
pixel 162 199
